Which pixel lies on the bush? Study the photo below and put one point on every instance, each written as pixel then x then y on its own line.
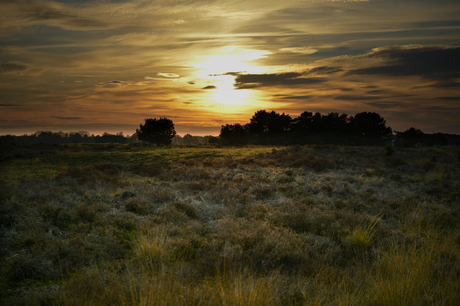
pixel 389 150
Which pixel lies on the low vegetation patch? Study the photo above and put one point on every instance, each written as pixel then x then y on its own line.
pixel 301 225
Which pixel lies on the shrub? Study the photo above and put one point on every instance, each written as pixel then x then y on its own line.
pixel 389 150
pixel 139 206
pixel 188 209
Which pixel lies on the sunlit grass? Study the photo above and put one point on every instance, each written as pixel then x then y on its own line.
pixel 317 225
pixel 48 165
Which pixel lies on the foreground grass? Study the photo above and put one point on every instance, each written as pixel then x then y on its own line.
pixel 319 225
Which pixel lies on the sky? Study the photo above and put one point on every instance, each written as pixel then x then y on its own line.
pixel 105 66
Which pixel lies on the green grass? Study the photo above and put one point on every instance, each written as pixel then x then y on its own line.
pixel 303 225
pixel 50 163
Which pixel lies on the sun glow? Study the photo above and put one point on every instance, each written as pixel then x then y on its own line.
pixel 225 93
pixel 220 71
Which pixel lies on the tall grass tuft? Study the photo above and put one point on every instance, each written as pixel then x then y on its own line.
pixel 362 234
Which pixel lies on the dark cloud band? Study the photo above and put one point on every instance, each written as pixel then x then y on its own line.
pixel 428 62
pixel 244 81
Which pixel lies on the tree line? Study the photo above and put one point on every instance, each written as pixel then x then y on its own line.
pixel 264 128
pixel 365 128
pixel 49 137
pixel 272 128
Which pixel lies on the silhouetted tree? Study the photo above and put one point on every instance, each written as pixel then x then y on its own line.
pixel 301 128
pixel 315 128
pixel 335 122
pixel 233 134
pixel 213 139
pixel 160 131
pixel 188 139
pixel 316 123
pixel 370 128
pixel 413 137
pixel 269 127
pixel 177 140
pixel 303 122
pixel 409 138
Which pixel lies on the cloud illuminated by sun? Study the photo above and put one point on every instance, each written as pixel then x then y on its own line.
pixel 220 64
pixel 214 69
pixel 225 93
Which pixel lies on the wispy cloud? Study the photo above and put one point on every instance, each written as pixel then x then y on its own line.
pixel 168 75
pixel 13 67
pixel 67 118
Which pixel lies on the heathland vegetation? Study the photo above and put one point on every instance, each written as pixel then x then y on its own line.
pixel 136 224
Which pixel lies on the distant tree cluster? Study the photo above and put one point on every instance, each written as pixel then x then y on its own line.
pixel 189 139
pixel 272 128
pixel 65 138
pixel 414 137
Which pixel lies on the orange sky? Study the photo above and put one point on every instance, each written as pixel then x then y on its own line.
pixel 105 66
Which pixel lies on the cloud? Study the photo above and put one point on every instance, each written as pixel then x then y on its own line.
pixel 384 105
pixel 300 50
pixel 67 118
pixel 432 62
pixel 449 98
pixel 245 81
pixel 356 98
pixel 377 91
pixel 39 10
pixel 436 108
pixel 28 12
pixel 447 84
pixel 12 67
pixel 248 81
pixel 209 87
pixel 323 70
pixel 168 75
pixel 297 97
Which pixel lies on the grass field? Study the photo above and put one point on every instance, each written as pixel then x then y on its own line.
pixel 47 160
pixel 302 225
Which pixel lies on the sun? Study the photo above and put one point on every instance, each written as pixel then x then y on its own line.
pixel 225 93
pixel 219 71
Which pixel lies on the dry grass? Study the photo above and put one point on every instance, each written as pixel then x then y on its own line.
pixel 316 225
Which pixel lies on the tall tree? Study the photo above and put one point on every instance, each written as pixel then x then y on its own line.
pixel 233 134
pixel 160 131
pixel 370 127
pixel 335 122
pixel 269 127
